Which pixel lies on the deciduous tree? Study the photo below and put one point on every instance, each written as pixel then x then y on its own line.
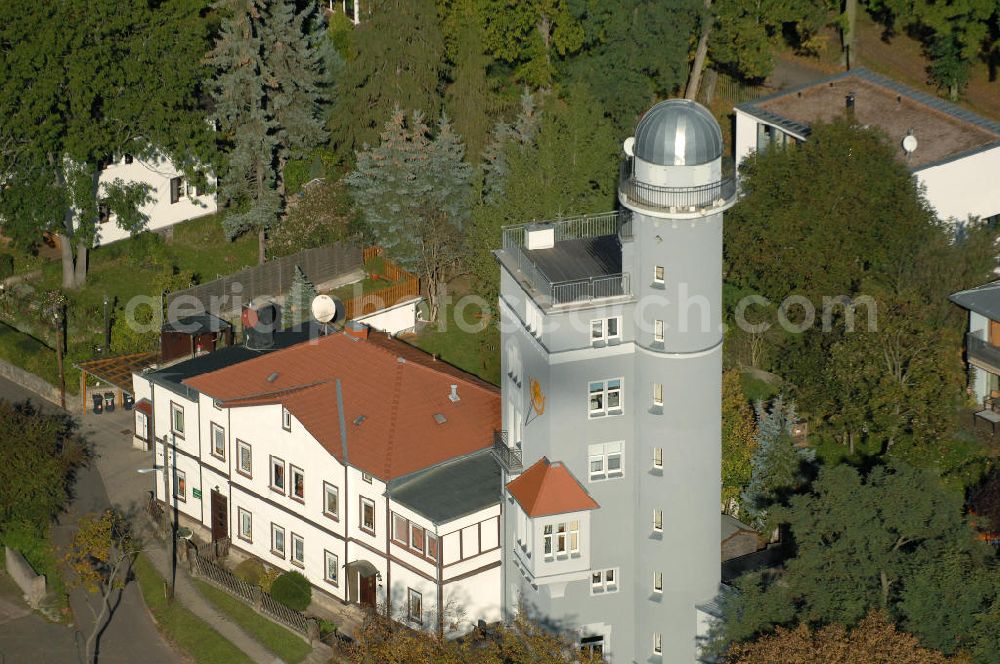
pixel 738 440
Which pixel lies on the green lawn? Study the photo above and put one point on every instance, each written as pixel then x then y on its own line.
pixel 274 637
pixel 181 627
pixel 477 353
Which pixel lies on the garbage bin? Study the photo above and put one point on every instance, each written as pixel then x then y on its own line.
pixel 128 400
pixel 109 401
pixel 98 403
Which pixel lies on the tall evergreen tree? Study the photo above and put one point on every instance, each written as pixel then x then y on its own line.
pixel 413 190
pixel 85 81
pixel 394 60
pixel 298 301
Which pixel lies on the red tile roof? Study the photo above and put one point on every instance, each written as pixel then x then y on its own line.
pixel 391 389
pixel 549 488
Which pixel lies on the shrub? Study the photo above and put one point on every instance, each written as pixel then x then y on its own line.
pixel 250 570
pixel 293 590
pixel 6 265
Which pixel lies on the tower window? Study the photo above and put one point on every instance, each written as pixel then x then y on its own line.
pixel 592 645
pixel 657 457
pixel 657 394
pixel 658 331
pixel 604 329
pixel 657 582
pixel 605 461
pixel 605 398
pixel 658 274
pixel 657 643
pixel 604 581
pixel 658 520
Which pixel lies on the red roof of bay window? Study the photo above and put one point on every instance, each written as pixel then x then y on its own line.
pixel 548 488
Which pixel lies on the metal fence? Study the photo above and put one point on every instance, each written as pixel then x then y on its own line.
pixel 273 278
pixel 675 199
pixel 572 228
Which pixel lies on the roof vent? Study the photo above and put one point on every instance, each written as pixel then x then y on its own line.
pixel 400 359
pixel 440 418
pixel 357 330
pixel 454 394
pixel 540 236
pixel 273 376
pixel 359 420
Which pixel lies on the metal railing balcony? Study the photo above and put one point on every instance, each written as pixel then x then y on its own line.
pixel 703 198
pixel 573 228
pixel 508 457
pixel 982 351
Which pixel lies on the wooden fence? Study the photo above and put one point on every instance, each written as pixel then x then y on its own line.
pixel 731 89
pixel 405 286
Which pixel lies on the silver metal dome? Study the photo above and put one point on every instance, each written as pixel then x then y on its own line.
pixel 678 132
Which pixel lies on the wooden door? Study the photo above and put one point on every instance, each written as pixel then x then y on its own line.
pixel 995 333
pixel 368 591
pixel 220 516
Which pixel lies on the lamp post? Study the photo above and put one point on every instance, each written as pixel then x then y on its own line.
pixel 59 318
pixel 107 326
pixel 171 505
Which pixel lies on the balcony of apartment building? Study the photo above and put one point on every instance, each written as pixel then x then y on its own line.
pixel 507 455
pixel 681 202
pixel 571 261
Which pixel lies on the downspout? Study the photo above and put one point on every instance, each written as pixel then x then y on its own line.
pixel 347 494
pixel 440 586
pixel 388 562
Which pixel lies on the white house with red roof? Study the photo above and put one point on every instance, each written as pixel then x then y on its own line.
pixel 353 458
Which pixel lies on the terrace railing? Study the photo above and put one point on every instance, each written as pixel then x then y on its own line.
pixel 981 350
pixel 674 199
pixel 508 457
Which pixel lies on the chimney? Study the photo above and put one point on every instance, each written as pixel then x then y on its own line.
pixel 849 103
pixel 356 329
pixel 454 393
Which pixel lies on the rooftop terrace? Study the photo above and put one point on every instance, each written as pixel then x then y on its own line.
pixel 944 131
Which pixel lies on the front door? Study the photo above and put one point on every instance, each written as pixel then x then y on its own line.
pixel 368 591
pixel 220 516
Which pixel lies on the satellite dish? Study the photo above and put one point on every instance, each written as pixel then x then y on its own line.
pixel 629 146
pixel 326 309
pixel 909 143
pixel 537 397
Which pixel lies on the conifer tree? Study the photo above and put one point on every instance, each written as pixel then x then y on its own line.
pixel 413 191
pixel 298 301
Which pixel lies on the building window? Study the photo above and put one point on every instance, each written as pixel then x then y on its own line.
pixel 286 419
pixel 417 538
pixel 103 212
pixel 657 394
pixel 366 477
pixel 561 539
pixel 277 475
pixel 658 457
pixel 298 550
pixel 658 520
pixel 400 529
pixel 331 501
pixel 657 582
pixel 180 485
pixel 657 643
pixel 177 419
pixel 592 645
pixel 331 567
pixel 246 524
pixel 128 159
pixel 368 516
pixel 432 547
pixel 658 274
pixel 604 581
pixel 244 458
pixel 277 540
pixel 605 397
pixel 602 329
pixel 175 190
pixel 658 331
pixel 141 424
pixel 298 483
pixel 605 461
pixel 414 606
pixel 218 441
pixel 533 318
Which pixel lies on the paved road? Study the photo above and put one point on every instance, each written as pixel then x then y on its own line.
pixel 131 636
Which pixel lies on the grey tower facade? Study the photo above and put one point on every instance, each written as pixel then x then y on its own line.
pixel 612 362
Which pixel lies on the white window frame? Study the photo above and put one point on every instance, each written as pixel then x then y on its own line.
pixel 400 529
pixel 437 546
pixel 607 581
pixel 658 458
pixel 657 643
pixel 240 514
pixel 274 463
pixel 275 531
pixel 329 489
pixel 658 582
pixel 604 390
pixel 658 394
pixel 286 419
pixel 600 329
pixel 562 539
pixel 410 596
pixel 659 274
pixel 175 410
pixel 600 457
pixel 292 472
pixel 367 502
pixel 141 425
pixel 658 331
pixel 297 540
pixel 534 319
pixel 330 557
pixel 366 477
pixel 216 430
pixel 414 528
pixel 180 484
pixel 657 520
pixel 240 446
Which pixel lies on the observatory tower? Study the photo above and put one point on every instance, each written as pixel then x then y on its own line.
pixel 612 362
